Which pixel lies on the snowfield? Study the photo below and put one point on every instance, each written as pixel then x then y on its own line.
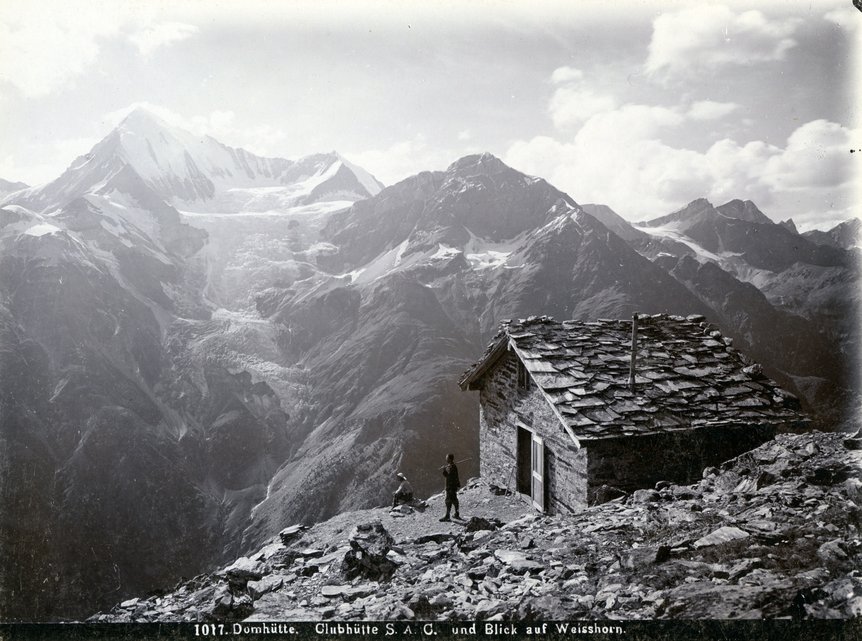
pixel 42 229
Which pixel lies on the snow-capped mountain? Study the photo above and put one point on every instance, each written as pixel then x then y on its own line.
pixel 201 174
pixel 131 405
pixel 180 381
pixel 777 287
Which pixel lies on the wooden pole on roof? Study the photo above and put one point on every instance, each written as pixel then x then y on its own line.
pixel 634 352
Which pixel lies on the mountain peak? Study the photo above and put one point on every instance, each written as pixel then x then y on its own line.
pixel 196 171
pixel 142 115
pixel 693 211
pixel 146 124
pixel 697 204
pixel 484 163
pixel 789 225
pixel 744 210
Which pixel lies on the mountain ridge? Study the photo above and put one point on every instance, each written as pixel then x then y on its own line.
pixel 199 172
pixel 245 353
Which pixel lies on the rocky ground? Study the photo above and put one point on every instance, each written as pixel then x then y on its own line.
pixel 772 533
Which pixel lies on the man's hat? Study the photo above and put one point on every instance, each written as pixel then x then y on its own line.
pixel 401 476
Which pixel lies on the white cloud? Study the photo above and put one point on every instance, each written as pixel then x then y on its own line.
pixel 155 36
pixel 566 74
pixel 44 161
pixel 706 37
pixel 405 158
pixel 711 110
pixel 572 106
pixel 629 124
pixel 817 156
pixel 44 46
pixel 617 158
pixel 619 154
pixel 573 101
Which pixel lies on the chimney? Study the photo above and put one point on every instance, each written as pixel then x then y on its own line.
pixel 634 352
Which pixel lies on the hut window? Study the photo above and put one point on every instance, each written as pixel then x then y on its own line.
pixel 523 377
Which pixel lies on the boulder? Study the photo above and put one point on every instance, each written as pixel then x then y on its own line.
pixel 853 490
pixel 477 523
pixel 434 537
pixel 518 562
pixel 290 534
pixel 544 608
pixel 640 557
pixel 332 591
pixel 607 493
pixel 226 607
pixel 369 545
pixel 832 552
pixel 257 589
pixel 488 608
pixel 723 534
pixel 645 496
pixel 243 570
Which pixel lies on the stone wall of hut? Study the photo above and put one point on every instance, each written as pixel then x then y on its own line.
pixel 503 405
pixel 635 462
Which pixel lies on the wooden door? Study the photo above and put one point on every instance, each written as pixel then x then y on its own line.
pixel 538 473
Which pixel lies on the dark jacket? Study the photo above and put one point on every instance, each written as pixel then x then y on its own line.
pixel 451 474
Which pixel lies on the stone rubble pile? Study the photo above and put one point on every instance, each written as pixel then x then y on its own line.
pixel 773 533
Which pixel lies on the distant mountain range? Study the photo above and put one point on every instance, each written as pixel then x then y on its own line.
pixel 200 173
pixel 203 346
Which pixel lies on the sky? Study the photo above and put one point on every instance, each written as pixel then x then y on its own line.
pixel 639 104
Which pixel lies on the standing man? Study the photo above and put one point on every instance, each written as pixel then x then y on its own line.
pixel 450 471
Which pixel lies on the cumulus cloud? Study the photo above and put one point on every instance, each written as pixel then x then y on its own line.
pixel 405 158
pixel 816 157
pixel 44 46
pixel 706 37
pixel 156 36
pixel 566 74
pixel 573 101
pixel 633 171
pixel 619 154
pixel 571 106
pixel 711 110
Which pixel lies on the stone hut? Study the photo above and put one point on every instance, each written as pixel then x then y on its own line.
pixel 570 414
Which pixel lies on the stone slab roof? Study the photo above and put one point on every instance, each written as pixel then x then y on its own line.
pixel 687 376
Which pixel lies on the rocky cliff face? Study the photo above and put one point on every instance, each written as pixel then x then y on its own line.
pixel 847 235
pixel 772 533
